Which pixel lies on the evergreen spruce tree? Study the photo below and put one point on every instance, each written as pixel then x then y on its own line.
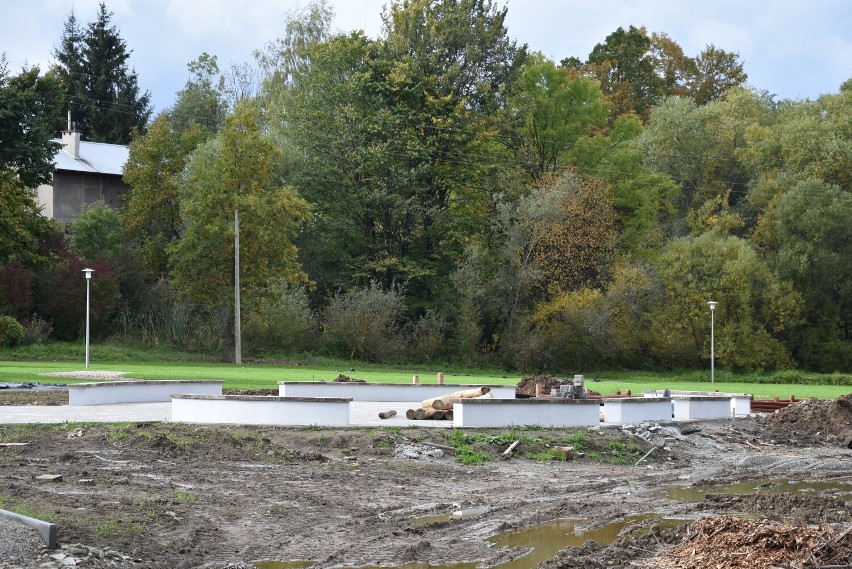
pixel 103 92
pixel 71 71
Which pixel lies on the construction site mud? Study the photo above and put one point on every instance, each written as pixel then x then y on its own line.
pixel 163 495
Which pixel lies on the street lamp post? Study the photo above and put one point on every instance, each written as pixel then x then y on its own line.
pixel 712 304
pixel 88 280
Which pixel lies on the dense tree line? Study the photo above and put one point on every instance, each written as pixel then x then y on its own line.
pixel 440 193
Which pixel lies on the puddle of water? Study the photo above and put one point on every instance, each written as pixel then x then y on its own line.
pixel 457 515
pixel 548 539
pixel 471 565
pixel 545 541
pixel 839 489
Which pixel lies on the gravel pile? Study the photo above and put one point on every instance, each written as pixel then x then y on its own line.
pixel 415 451
pixel 87 374
pixel 19 545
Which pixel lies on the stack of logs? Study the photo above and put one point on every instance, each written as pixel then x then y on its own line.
pixel 441 408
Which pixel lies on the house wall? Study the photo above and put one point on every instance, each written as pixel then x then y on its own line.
pixel 44 199
pixel 73 189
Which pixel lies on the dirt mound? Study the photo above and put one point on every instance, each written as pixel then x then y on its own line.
pixel 32 397
pixel 813 420
pixel 725 541
pixel 527 385
pixel 346 379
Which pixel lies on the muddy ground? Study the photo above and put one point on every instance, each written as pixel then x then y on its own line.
pixel 182 496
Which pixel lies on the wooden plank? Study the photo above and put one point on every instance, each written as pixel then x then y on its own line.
pixel 512 446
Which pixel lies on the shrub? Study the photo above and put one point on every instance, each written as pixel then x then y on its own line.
pixel 16 289
pixel 96 233
pixel 281 319
pixel 11 332
pixel 426 336
pixel 366 322
pixel 166 320
pixel 36 330
pixel 60 295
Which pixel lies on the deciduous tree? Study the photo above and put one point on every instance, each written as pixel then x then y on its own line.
pixel 713 73
pixel 96 234
pixel 553 110
pixel 400 138
pixel 755 307
pixel 643 199
pixel 625 68
pixel 235 171
pixel 151 209
pixel 808 233
pixel 201 102
pixel 28 115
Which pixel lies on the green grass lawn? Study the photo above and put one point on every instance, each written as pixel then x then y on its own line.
pixel 263 376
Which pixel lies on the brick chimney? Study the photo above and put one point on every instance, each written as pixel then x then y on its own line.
pixel 71 142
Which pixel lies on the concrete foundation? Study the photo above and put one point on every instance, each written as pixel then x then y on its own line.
pixel 555 412
pixel 140 391
pixel 260 410
pixel 414 393
pixel 624 410
pixel 700 407
pixel 740 402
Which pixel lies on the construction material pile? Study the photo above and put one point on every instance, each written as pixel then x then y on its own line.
pixel 727 542
pixel 346 379
pixel 817 421
pixel 527 386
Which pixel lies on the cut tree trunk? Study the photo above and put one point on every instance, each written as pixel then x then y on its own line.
pixel 387 414
pixel 443 402
pixel 448 405
pixel 421 414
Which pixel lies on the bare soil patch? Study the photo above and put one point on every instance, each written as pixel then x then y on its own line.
pixel 184 496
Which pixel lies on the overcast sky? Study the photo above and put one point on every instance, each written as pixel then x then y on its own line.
pixel 795 49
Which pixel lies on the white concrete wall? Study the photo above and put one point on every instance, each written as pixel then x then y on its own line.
pixel 697 407
pixel 260 410
pixel 382 391
pixel 44 199
pixel 740 402
pixel 110 392
pixel 625 410
pixel 556 412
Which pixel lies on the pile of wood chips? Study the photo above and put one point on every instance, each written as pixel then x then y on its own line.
pixel 727 542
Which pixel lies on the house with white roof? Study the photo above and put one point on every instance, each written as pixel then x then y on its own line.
pixel 84 172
